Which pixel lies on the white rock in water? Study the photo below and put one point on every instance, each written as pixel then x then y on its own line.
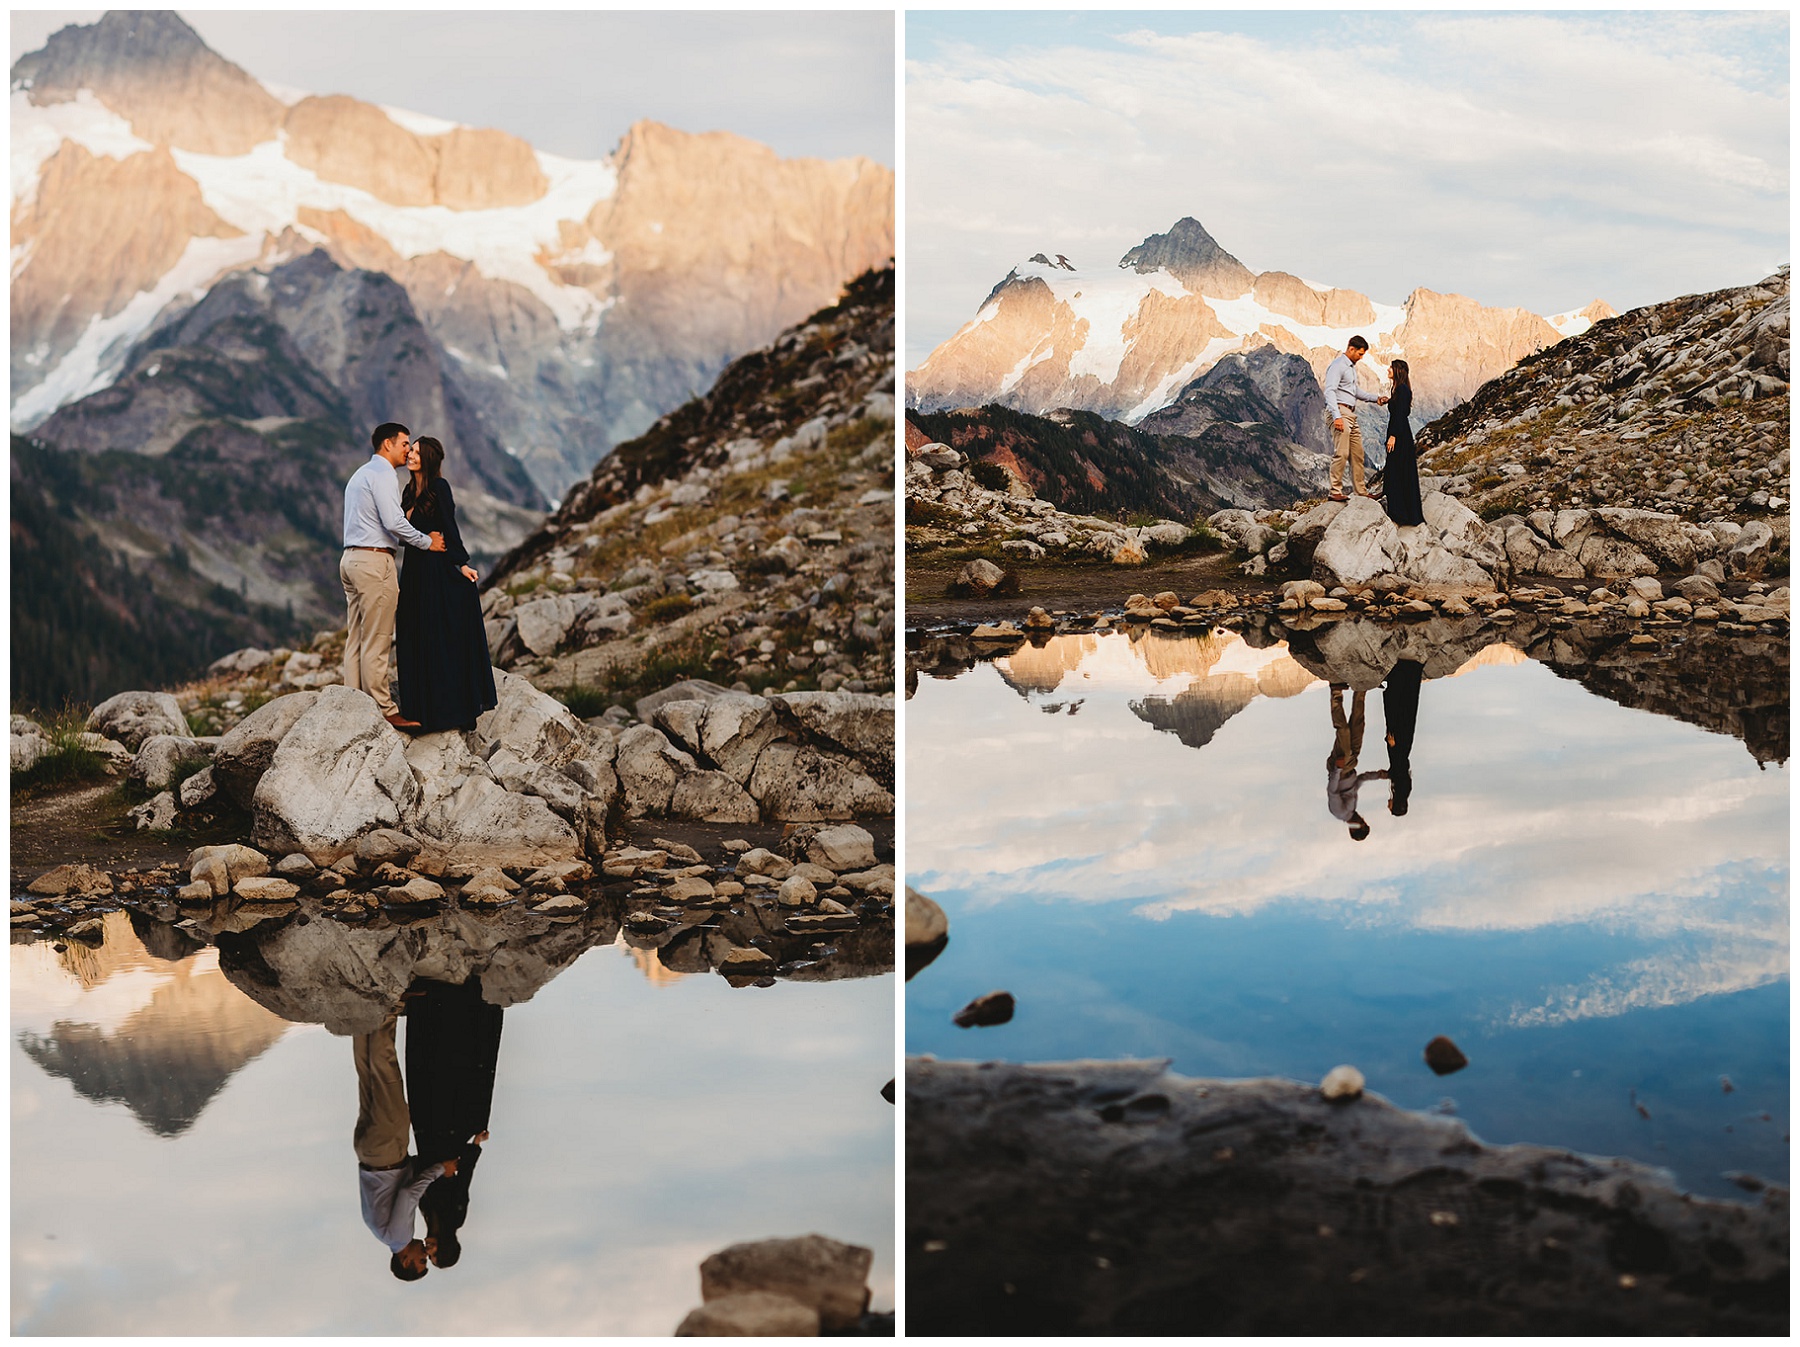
pixel 1342 1082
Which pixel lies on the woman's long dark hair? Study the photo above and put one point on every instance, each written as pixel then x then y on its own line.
pixel 431 468
pixel 1402 379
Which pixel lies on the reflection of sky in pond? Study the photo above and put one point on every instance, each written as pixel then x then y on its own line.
pixel 636 1127
pixel 1592 900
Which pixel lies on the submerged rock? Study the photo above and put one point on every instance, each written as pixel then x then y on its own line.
pixel 1444 1057
pixel 994 1008
pixel 827 1275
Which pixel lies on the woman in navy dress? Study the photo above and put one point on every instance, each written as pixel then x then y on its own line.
pixel 446 680
pixel 1400 478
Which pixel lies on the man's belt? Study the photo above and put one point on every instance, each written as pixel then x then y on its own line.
pixel 358 547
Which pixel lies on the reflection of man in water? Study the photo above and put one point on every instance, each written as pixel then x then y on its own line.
pixel 1400 708
pixel 452 1050
pixel 1342 780
pixel 392 1182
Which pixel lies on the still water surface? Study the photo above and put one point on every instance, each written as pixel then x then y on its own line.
pixel 202 1179
pixel 1136 836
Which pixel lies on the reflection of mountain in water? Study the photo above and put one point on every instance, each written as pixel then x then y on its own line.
pixel 1225 674
pixel 1195 716
pixel 164 1055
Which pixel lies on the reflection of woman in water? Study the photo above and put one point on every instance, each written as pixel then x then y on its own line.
pixel 452 1049
pixel 1400 708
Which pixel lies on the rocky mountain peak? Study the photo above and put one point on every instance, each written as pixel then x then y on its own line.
pixel 1193 257
pixel 154 70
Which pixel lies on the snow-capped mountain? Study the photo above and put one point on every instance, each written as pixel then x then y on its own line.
pixel 1125 340
pixel 577 301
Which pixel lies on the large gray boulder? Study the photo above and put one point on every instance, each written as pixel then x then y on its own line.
pixel 798 784
pixel 712 797
pixel 648 766
pixel 735 730
pixel 539 732
pixel 132 717
pixel 543 624
pixel 860 724
pixel 1306 532
pixel 826 1274
pixel 246 750
pixel 339 772
pixel 1463 533
pixel 162 757
pixel 1608 558
pixel 1750 553
pixel 467 817
pixel 1359 544
pixel 1665 538
pixel 689 689
pixel 1241 527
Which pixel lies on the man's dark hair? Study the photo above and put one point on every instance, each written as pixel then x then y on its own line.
pixel 402 1271
pixel 385 432
pixel 1359 343
pixel 1359 828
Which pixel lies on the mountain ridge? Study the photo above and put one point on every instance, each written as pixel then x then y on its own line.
pixel 1123 344
pixel 570 340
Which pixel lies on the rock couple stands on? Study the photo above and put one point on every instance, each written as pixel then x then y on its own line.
pixel 531 784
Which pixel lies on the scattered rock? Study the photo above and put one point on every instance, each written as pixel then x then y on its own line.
pixel 1342 1084
pixel 71 879
pixel 133 717
pixel 1444 1057
pixel 267 889
pixel 994 1008
pixel 829 1276
pixel 751 1314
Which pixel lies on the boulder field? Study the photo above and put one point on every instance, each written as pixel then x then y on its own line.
pixel 318 770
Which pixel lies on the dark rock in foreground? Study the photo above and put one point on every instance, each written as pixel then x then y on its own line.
pixel 1096 1197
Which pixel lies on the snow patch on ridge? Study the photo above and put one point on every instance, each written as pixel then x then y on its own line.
pixel 262 192
pixel 1245 316
pixel 96 358
pixel 1106 301
pixel 1571 324
pixel 38 133
pixel 419 123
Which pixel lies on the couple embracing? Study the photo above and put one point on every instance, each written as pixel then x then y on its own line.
pixel 446 680
pixel 1401 475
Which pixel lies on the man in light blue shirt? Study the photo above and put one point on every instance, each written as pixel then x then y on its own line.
pixel 1342 393
pixel 374 528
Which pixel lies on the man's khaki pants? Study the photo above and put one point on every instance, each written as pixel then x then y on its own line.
pixel 372 592
pixel 1345 444
pixel 382 1120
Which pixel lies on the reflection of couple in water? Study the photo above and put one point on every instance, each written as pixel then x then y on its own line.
pixel 452 1048
pixel 1400 708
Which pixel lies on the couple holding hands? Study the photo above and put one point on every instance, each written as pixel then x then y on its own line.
pixel 1401 475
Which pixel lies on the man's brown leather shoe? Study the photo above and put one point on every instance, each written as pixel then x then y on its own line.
pixel 400 722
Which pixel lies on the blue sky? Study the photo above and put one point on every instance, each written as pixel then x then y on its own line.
pixel 571 82
pixel 1536 159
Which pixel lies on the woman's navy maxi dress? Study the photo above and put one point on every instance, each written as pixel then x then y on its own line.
pixel 446 680
pixel 1400 480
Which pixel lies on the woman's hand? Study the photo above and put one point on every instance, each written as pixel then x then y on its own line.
pixel 469 571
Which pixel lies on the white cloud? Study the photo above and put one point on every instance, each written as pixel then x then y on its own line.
pixel 1535 805
pixel 1538 160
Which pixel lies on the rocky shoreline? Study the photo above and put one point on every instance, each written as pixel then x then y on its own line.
pixel 1116 1197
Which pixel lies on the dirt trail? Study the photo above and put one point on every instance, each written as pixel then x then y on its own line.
pixel 84 824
